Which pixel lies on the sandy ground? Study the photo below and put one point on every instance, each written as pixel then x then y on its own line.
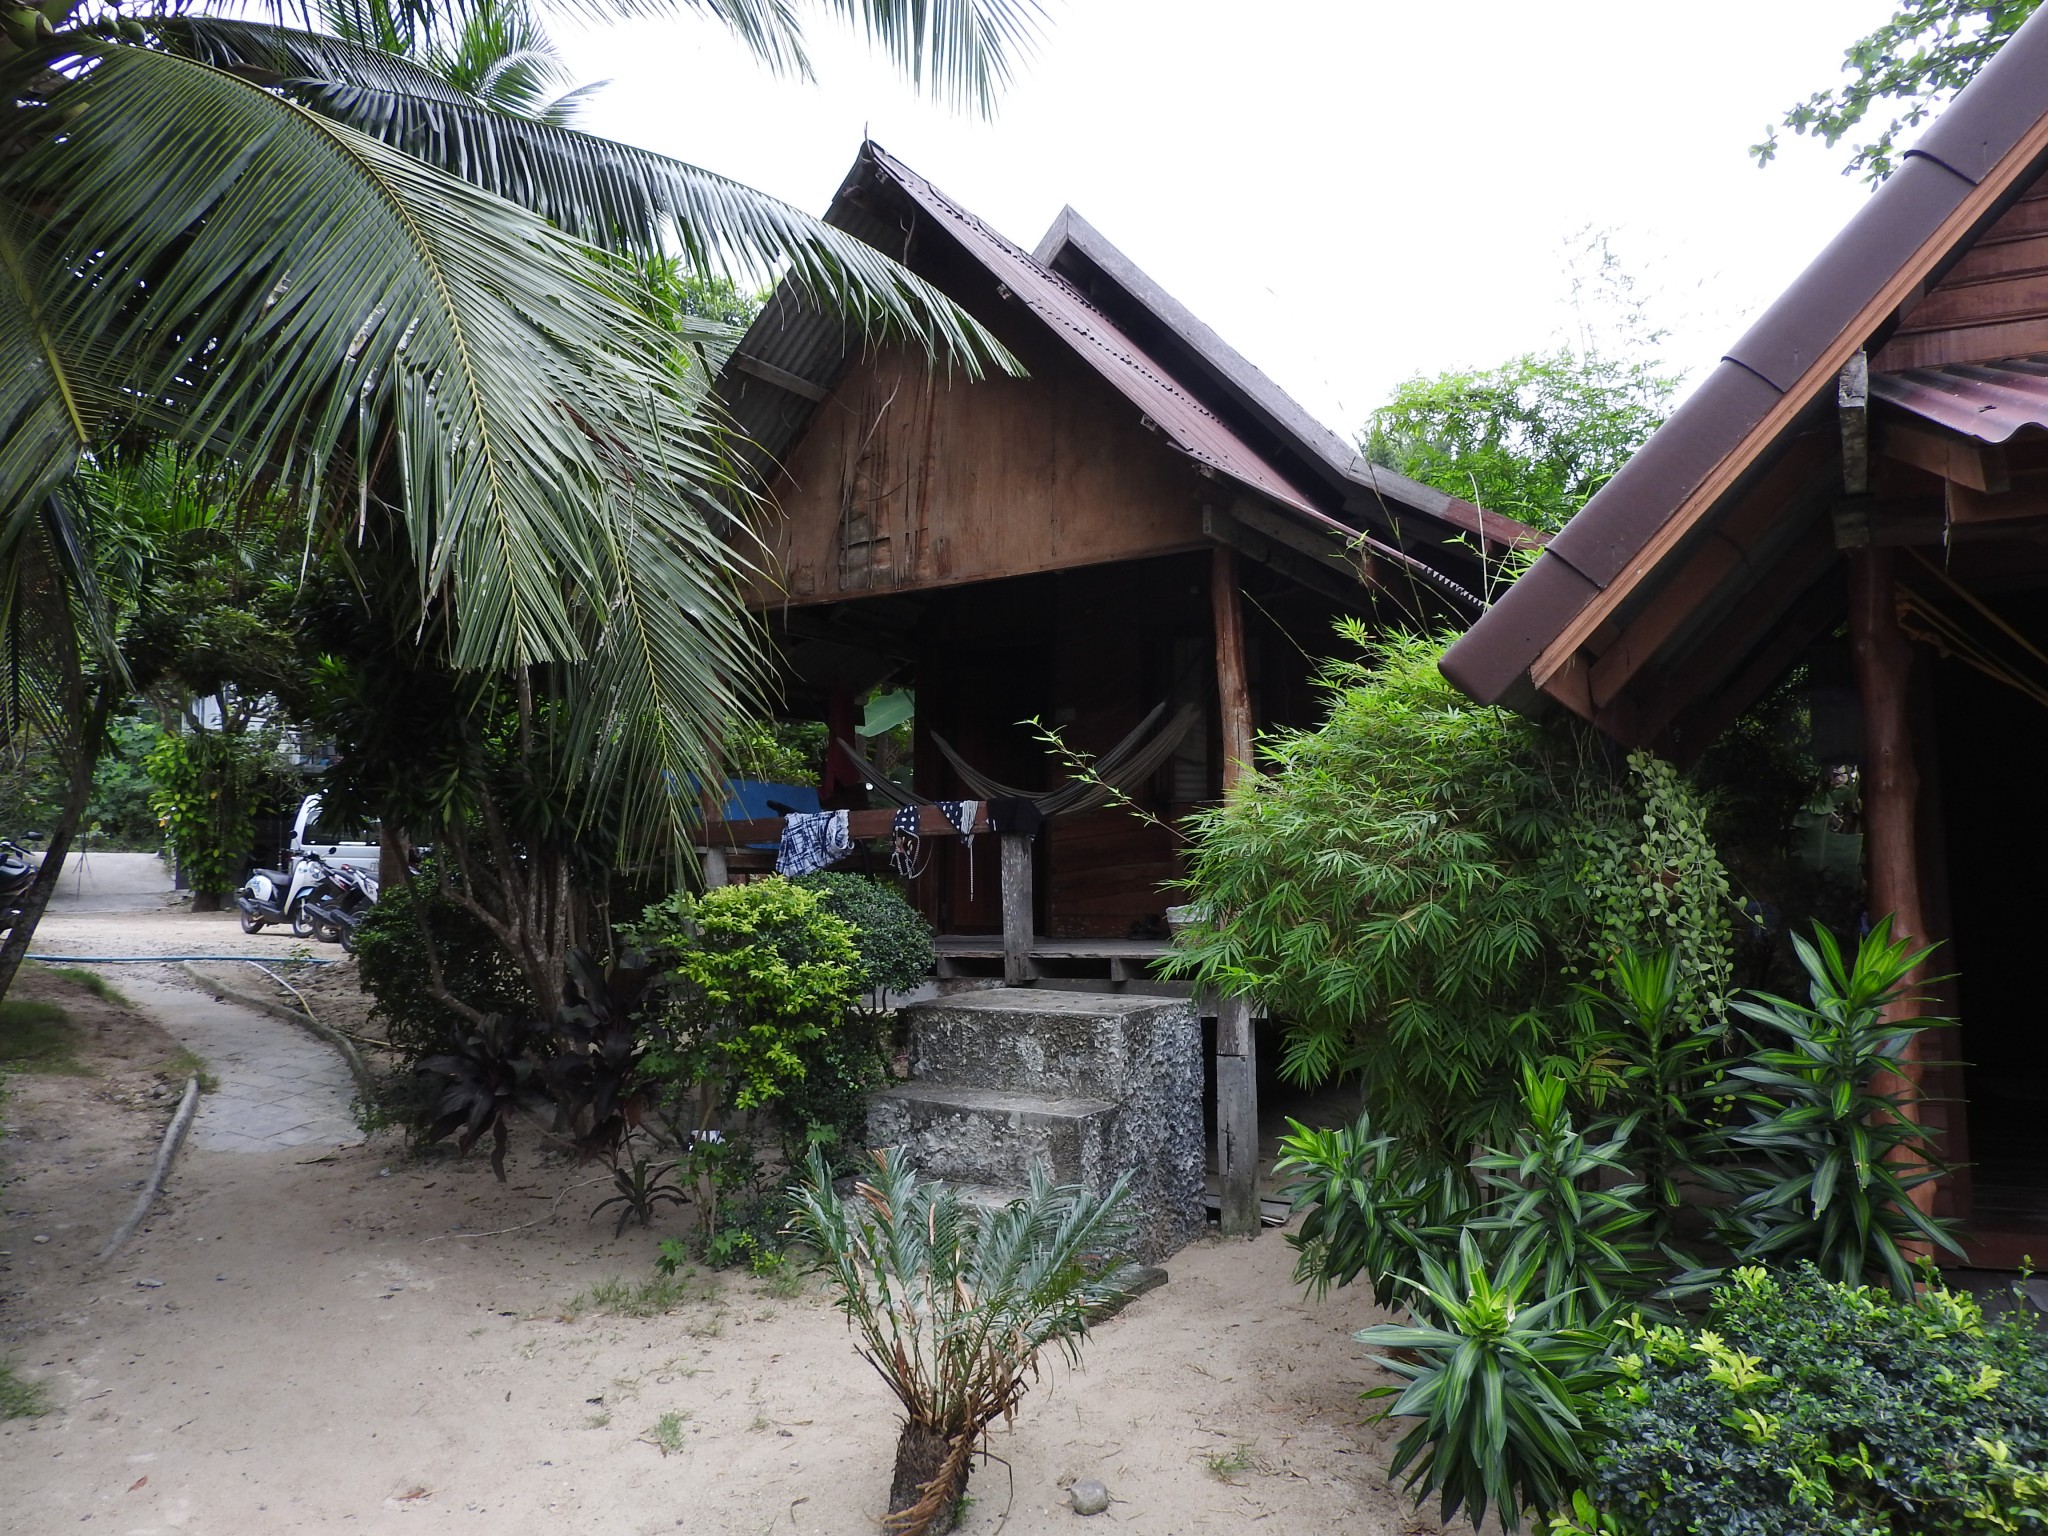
pixel 354 1339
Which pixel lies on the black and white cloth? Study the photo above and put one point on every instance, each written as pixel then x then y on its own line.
pixel 812 840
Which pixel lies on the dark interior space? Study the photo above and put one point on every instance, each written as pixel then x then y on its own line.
pixel 1993 742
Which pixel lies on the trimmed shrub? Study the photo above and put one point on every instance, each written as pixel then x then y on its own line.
pixel 894 941
pixel 1811 1406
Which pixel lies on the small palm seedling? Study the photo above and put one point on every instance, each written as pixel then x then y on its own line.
pixel 953 1306
pixel 1843 1157
pixel 642 1187
pixel 1498 1390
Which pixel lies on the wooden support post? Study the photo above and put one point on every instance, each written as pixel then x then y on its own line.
pixel 1237 1067
pixel 1890 782
pixel 1233 692
pixel 1237 1117
pixel 1017 919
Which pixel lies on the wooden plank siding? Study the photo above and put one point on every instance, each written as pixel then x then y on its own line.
pixel 1991 304
pixel 909 479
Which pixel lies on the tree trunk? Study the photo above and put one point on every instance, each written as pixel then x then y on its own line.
pixel 921 1455
pixel 85 757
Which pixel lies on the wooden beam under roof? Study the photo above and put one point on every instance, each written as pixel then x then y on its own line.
pixel 1961 460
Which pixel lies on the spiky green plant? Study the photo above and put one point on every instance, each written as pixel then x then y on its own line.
pixel 1498 1390
pixel 953 1305
pixel 1843 1152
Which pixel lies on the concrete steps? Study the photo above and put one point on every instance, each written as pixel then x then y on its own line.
pixel 993 1136
pixel 1087 1085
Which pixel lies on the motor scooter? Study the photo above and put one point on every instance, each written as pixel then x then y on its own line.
pixel 272 896
pixel 17 874
pixel 344 911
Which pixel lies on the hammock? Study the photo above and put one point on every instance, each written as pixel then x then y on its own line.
pixel 1119 770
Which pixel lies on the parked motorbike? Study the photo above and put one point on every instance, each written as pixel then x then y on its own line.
pixel 337 905
pixel 17 874
pixel 272 896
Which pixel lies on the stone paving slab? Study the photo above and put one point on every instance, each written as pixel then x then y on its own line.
pixel 279 1087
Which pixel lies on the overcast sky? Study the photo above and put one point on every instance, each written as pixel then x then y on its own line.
pixel 1350 191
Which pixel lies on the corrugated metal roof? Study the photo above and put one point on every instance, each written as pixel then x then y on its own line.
pixel 1987 401
pixel 1630 537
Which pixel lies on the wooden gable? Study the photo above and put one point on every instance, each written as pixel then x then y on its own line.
pixel 1991 304
pixel 907 479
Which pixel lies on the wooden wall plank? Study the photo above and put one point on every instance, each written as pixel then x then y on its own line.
pixel 907 481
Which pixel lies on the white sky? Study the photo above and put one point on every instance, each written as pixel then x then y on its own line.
pixel 1350 191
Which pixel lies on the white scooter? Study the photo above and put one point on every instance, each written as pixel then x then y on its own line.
pixel 272 896
pixel 318 859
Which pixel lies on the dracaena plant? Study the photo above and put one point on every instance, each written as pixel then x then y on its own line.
pixel 1368 1205
pixel 1499 1388
pixel 1831 1118
pixel 1654 1062
pixel 1564 1207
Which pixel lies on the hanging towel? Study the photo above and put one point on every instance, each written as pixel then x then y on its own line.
pixel 961 814
pixel 811 840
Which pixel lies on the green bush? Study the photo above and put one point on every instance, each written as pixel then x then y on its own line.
pixel 393 966
pixel 1391 886
pixel 1412 885
pixel 1834 1410
pixel 894 941
pixel 751 975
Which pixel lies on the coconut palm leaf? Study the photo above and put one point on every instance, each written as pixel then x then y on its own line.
pixel 50 405
pixel 960 51
pixel 613 195
pixel 308 296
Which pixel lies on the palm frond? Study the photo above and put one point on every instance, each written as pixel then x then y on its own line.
pixel 612 195
pixel 959 50
pixel 307 295
pixel 49 405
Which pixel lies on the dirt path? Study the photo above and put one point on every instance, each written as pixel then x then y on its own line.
pixel 317 1339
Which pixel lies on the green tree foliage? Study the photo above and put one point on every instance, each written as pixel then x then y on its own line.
pixel 1532 439
pixel 1925 52
pixel 1405 886
pixel 206 786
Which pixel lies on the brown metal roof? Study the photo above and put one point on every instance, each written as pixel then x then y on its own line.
pixel 1560 626
pixel 1370 495
pixel 792 355
pixel 1987 401
pixel 1184 421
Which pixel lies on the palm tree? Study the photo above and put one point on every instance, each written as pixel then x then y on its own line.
pixel 381 294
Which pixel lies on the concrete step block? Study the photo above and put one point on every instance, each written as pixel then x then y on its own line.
pixel 992 1136
pixel 1101 1045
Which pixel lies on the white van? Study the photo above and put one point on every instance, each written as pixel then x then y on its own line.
pixel 332 841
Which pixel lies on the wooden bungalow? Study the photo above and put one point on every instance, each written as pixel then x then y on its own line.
pixel 1142 538
pixel 1869 462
